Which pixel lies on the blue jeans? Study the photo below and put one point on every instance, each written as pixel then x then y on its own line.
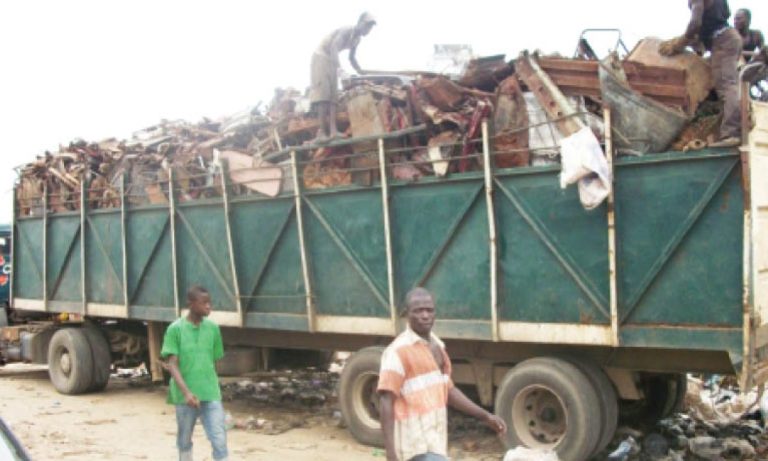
pixel 212 416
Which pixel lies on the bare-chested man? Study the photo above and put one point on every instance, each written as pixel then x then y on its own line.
pixel 325 67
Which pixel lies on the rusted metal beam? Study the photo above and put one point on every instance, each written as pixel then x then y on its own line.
pixel 549 95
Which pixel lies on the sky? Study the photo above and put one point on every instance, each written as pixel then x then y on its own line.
pixel 95 69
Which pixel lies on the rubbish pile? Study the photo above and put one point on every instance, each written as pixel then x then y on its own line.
pixel 291 389
pixel 718 423
pixel 431 124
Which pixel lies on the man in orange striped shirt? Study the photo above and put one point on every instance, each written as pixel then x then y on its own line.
pixel 415 388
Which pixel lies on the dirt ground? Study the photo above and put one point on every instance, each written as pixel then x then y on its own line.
pixel 131 421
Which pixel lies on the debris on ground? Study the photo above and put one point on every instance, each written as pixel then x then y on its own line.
pixel 717 423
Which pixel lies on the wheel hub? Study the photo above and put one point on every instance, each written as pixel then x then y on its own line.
pixel 539 417
pixel 65 362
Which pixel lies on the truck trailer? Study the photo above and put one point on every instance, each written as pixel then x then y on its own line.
pixel 560 317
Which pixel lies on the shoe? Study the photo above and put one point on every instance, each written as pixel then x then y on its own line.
pixel 731 141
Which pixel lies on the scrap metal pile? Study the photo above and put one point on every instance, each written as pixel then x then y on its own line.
pixel 431 125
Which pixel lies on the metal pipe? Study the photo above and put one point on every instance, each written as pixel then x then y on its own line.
pixel 493 249
pixel 230 245
pixel 388 235
pixel 613 282
pixel 302 245
pixel 174 260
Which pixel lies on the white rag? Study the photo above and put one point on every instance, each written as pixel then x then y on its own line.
pixel 527 454
pixel 583 161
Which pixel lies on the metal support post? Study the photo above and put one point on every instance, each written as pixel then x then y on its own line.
pixel 493 249
pixel 174 259
pixel 124 244
pixel 388 235
pixel 613 283
pixel 302 245
pixel 83 285
pixel 45 246
pixel 230 245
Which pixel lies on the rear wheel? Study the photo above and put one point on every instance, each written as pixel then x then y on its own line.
pixel 609 401
pixel 358 398
pixel 102 358
pixel 664 395
pixel 70 361
pixel 550 404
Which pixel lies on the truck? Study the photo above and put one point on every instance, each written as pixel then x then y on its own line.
pixel 5 271
pixel 560 318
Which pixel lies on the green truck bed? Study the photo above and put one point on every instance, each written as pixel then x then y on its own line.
pixel 679 255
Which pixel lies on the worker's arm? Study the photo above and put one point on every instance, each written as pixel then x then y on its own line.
pixel 173 368
pixel 461 402
pixel 697 14
pixel 387 418
pixel 353 60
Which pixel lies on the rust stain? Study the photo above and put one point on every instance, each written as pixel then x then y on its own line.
pixel 726 202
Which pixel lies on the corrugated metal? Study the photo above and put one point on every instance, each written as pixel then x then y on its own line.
pixel 758 146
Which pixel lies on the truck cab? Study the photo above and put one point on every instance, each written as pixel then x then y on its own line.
pixel 5 265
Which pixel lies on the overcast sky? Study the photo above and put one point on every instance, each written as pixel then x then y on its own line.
pixel 96 69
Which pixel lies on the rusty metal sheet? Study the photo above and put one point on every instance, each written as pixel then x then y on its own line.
pixel 580 78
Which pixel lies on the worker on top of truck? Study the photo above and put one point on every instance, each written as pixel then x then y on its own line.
pixel 752 39
pixel 415 386
pixel 192 345
pixel 709 25
pixel 324 71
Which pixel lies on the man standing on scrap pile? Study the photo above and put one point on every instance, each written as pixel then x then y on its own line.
pixel 324 72
pixel 192 345
pixel 415 386
pixel 709 25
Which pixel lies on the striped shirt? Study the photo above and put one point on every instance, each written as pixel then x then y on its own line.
pixel 420 387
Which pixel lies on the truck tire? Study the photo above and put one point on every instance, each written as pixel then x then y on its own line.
pixel 102 359
pixel 358 398
pixel 609 401
pixel 70 361
pixel 664 396
pixel 548 403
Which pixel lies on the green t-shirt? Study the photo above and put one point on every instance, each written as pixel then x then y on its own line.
pixel 198 347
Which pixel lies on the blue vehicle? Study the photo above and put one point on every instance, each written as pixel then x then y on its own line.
pixel 5 264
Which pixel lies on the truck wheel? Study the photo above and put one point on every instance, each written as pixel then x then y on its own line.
pixel 357 396
pixel 664 396
pixel 609 401
pixel 70 361
pixel 549 404
pixel 102 358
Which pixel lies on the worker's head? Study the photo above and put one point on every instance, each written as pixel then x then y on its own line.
pixel 420 309
pixel 742 19
pixel 199 301
pixel 365 24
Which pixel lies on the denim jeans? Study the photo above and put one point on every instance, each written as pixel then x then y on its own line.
pixel 212 416
pixel 429 457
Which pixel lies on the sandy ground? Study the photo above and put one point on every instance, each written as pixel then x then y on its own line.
pixel 130 421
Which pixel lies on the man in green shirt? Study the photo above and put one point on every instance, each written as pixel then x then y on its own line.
pixel 192 345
